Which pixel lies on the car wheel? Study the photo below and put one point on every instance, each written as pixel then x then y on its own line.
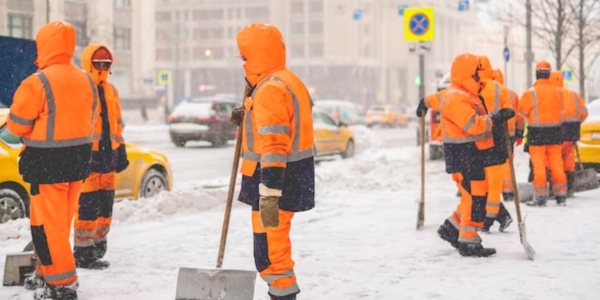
pixel 12 207
pixel 349 150
pixel 153 183
pixel 179 143
pixel 219 141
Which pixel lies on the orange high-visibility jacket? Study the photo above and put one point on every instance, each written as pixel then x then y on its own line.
pixel 541 105
pixel 54 109
pixel 514 101
pixel 278 126
pixel 573 111
pixel 433 101
pixel 495 95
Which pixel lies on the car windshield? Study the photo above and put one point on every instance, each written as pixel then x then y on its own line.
pixel 8 137
pixel 594 109
pixel 194 108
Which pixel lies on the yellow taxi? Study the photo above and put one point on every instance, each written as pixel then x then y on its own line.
pixel 387 115
pixel 331 137
pixel 589 144
pixel 148 174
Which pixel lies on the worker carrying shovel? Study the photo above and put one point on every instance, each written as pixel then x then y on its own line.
pixel 278 159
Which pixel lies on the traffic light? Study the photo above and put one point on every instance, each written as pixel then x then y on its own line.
pixel 418 81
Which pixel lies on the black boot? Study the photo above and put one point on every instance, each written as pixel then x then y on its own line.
pixel 66 292
pixel 288 297
pixel 487 224
pixel 504 218
pixel 100 249
pixel 538 201
pixel 34 281
pixel 475 250
pixel 449 234
pixel 561 200
pixel 94 265
pixel 508 196
pixel 570 182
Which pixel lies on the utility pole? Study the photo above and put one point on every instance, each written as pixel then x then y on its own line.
pixel 506 32
pixel 529 53
pixel 47 11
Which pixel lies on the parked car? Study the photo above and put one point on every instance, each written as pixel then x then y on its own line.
pixel 386 115
pixel 203 119
pixel 148 174
pixel 331 137
pixel 343 111
pixel 589 144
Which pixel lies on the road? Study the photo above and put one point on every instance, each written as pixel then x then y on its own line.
pixel 201 164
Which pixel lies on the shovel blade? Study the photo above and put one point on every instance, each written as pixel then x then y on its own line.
pixel 421 216
pixel 215 284
pixel 525 192
pixel 585 180
pixel 526 246
pixel 17 266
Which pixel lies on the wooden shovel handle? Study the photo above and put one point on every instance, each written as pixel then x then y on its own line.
pixel 578 156
pixel 513 178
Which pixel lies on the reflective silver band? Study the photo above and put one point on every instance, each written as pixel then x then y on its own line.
pixel 59 277
pixel 102 230
pixel 576 99
pixel 474 240
pixel 274 129
pixel 496 96
pixel 291 290
pixel 120 140
pixel 120 121
pixel 57 144
pixel 488 124
pixel 51 106
pixel 273 158
pixel 492 204
pixel 249 130
pixel 252 156
pixel 83 233
pixel 272 277
pixel 20 120
pixel 88 242
pixel 298 156
pixel 491 215
pixel 99 239
pixel 571 120
pixel 468 139
pixel 545 125
pixel 98 137
pixel 559 186
pixel 470 124
pixel 535 105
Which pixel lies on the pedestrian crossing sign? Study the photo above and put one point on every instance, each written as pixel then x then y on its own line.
pixel 164 77
pixel 568 75
pixel 419 24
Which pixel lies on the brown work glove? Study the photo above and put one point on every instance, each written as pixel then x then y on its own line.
pixel 269 211
pixel 237 116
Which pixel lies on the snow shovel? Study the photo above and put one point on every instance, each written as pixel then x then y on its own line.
pixel 19 265
pixel 219 284
pixel 421 212
pixel 585 179
pixel 522 232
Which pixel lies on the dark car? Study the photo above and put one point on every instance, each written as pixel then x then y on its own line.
pixel 203 119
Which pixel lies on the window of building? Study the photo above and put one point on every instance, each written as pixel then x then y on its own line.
pixel 316 50
pixel 122 39
pixel 163 54
pixel 217 33
pixel 315 6
pixel 238 13
pixel 297 50
pixel 164 16
pixel 19 26
pixel 260 13
pixel 217 14
pixel 297 7
pixel 315 27
pixel 201 33
pixel 122 3
pixel 161 35
pixel 80 33
pixel 186 15
pixel 298 28
pixel 230 13
pixel 200 15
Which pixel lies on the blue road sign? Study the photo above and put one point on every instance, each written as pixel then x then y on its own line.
pixel 357 15
pixel 419 24
pixel 506 54
pixel 463 5
pixel 568 75
pixel 401 9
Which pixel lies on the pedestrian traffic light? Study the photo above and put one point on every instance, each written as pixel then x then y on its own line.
pixel 418 81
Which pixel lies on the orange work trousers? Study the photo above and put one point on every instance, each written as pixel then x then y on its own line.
pixel 568 156
pixel 470 213
pixel 94 216
pixel 495 180
pixel 507 184
pixel 273 254
pixel 550 157
pixel 52 209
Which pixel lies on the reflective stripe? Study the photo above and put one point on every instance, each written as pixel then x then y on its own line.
pixel 274 129
pixel 99 239
pixel 470 124
pixel 468 139
pixel 577 120
pixel 473 240
pixel 559 186
pixel 102 230
pixel 250 139
pixel 576 100
pixel 535 105
pixel 461 228
pixel 120 140
pixel 457 214
pixel 98 137
pixel 120 121
pixel 51 106
pixel 454 223
pixel 298 156
pixel 488 124
pixel 83 233
pixel 273 158
pixel 512 132
pixel 20 120
pixel 491 215
pixel 507 190
pixel 564 193
pixel 84 243
pixel 493 204
pixel 291 290
pixel 545 125
pixel 62 276
pixel 439 100
pixel 272 277
pixel 584 110
pixel 57 144
pixel 95 93
pixel 507 182
pixel 496 96
pixel 252 156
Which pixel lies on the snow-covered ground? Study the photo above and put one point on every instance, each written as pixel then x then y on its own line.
pixel 359 242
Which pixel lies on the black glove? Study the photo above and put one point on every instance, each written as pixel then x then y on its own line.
pixel 122 161
pixel 503 115
pixel 237 116
pixel 422 109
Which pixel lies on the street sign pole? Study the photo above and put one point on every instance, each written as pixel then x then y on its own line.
pixel 506 57
pixel 422 73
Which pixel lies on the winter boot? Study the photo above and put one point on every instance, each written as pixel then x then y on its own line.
pixel 538 201
pixel 487 224
pixel 474 250
pixel 449 234
pixel 504 218
pixel 94 265
pixel 561 200
pixel 34 281
pixel 64 292
pixel 100 249
pixel 508 197
pixel 288 297
pixel 570 182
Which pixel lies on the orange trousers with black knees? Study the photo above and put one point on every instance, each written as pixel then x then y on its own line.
pixel 94 216
pixel 568 156
pixel 507 185
pixel 273 254
pixel 495 181
pixel 52 209
pixel 550 157
pixel 470 213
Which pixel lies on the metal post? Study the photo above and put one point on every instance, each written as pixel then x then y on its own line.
pixel 47 11
pixel 506 31
pixel 529 54
pixel 422 75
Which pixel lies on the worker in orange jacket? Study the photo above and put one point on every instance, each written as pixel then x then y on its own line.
pixel 432 101
pixel 574 112
pixel 541 106
pixel 53 112
pixel 495 97
pixel 278 158
pixel 468 135
pixel 516 129
pixel 94 215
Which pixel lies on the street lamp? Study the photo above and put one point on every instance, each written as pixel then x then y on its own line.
pixel 207 52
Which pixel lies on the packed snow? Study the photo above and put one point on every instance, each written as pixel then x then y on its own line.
pixel 359 242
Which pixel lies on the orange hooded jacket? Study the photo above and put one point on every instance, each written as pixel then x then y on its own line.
pixel 54 109
pixel 514 100
pixel 466 125
pixel 574 111
pixel 278 127
pixel 495 95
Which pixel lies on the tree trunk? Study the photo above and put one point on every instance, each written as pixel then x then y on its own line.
pixel 559 33
pixel 581 27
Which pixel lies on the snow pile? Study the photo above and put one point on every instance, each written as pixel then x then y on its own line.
pixel 15 230
pixel 364 137
pixel 167 204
